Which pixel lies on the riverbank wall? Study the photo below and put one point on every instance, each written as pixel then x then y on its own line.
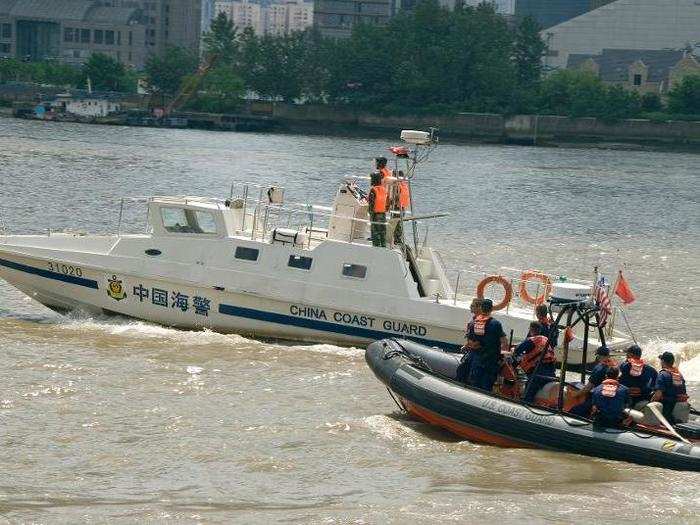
pixel 519 129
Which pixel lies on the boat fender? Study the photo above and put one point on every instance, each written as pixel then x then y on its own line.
pixel 530 276
pixel 496 279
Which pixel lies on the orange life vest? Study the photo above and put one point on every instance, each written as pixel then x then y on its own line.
pixel 480 322
pixel 380 198
pixel 678 382
pixel 541 344
pixel 610 387
pixel 636 366
pixel 404 195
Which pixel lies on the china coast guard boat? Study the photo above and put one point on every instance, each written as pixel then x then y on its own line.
pixel 256 265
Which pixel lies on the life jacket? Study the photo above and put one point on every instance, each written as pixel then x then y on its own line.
pixel 507 381
pixel 404 195
pixel 610 387
pixel 479 325
pixel 678 383
pixel 636 366
pixel 380 197
pixel 541 344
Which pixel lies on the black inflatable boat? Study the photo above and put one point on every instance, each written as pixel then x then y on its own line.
pixel 423 380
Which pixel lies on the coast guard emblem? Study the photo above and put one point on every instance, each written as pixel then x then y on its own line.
pixel 115 289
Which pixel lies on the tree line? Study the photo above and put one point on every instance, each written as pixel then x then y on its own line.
pixel 430 60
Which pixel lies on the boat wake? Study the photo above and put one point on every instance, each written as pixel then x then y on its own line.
pixel 133 329
pixel 687 354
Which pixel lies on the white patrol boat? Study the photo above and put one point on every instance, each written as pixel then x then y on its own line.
pixel 256 265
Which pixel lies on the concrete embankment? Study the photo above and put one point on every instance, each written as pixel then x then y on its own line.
pixel 521 129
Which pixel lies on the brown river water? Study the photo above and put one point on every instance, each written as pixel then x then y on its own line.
pixel 114 420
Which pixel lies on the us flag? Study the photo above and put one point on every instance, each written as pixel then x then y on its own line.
pixel 603 301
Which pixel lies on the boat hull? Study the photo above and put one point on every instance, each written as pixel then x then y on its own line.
pixel 483 417
pixel 70 280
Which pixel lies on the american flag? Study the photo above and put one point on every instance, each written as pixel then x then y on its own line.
pixel 603 302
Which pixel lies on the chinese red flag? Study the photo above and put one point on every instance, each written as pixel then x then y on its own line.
pixel 623 290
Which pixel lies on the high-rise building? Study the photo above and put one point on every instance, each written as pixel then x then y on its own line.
pixel 335 18
pixel 273 19
pixel 244 14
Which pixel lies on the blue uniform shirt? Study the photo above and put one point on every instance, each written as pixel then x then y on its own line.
pixel 610 400
pixel 664 382
pixel 598 373
pixel 644 382
pixel 490 343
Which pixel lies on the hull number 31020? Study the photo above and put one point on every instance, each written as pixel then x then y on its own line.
pixel 65 269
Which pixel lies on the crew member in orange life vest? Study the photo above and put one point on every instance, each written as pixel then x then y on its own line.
pixel 609 399
pixel 380 163
pixel 377 201
pixel 670 386
pixel 486 339
pixel 537 359
pixel 549 329
pixel 603 362
pixel 638 376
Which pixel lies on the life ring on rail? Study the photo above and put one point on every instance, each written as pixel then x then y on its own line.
pixel 507 289
pixel 534 275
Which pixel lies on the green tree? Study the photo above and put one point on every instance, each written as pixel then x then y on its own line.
pixel 684 97
pixel 221 91
pixel 651 103
pixel 105 73
pixel 221 40
pixel 166 72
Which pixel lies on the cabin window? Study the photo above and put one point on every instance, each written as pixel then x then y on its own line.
pixel 180 220
pixel 299 261
pixel 247 254
pixel 354 270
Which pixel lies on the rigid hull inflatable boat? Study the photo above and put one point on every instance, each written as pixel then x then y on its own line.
pixel 256 264
pixel 422 379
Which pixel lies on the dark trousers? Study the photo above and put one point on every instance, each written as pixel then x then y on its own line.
pixel 481 376
pixel 378 230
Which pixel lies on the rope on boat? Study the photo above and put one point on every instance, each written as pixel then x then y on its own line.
pixel 400 405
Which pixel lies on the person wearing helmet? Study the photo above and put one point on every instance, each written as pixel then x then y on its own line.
pixel 638 376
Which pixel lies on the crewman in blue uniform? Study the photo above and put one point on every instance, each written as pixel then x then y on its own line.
pixel 486 339
pixel 603 363
pixel 638 376
pixel 670 386
pixel 464 364
pixel 549 328
pixel 536 357
pixel 609 399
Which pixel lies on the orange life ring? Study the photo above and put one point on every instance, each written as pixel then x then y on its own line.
pixel 507 288
pixel 534 275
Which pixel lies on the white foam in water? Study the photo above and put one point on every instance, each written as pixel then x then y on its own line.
pixel 139 329
pixel 331 350
pixel 688 354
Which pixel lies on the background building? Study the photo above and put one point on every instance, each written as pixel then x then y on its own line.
pixel 643 71
pixel 71 30
pixel 625 24
pixel 274 19
pixel 548 13
pixel 335 18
